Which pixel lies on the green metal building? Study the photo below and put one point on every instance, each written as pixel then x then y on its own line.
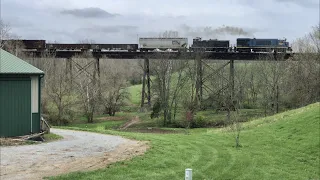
pixel 20 96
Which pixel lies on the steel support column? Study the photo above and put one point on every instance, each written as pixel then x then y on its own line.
pixel 146 74
pixel 231 85
pixel 69 69
pixel 143 91
pixel 199 82
pixel 148 81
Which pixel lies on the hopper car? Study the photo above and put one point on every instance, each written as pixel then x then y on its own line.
pixel 151 44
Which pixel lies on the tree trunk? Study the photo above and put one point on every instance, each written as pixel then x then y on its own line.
pixel 277 100
pixel 238 140
pixel 90 117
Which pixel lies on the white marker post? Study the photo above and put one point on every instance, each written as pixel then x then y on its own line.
pixel 188 174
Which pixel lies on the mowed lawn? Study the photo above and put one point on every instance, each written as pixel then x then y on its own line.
pixel 135 94
pixel 284 146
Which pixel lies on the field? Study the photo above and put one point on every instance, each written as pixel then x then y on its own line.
pixel 283 146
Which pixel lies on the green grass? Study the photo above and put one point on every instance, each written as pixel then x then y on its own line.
pixel 135 94
pixel 52 137
pixel 284 146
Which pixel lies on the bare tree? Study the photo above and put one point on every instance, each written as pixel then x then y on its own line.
pixel 9 41
pixel 166 88
pixel 189 94
pixel 303 80
pixel 271 75
pixel 4 32
pixel 241 82
pixel 252 85
pixel 58 93
pixel 235 126
pixel 86 84
pixel 163 71
pixel 114 83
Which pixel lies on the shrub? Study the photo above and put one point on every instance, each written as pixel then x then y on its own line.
pixel 199 121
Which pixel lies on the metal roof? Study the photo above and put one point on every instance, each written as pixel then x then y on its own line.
pixel 10 64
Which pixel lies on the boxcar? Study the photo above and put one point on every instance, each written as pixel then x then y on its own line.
pixel 163 43
pixel 262 45
pixel 214 45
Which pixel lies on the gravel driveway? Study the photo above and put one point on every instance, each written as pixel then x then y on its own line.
pixel 78 151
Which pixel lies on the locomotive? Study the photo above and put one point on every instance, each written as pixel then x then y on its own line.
pixel 213 45
pixel 262 45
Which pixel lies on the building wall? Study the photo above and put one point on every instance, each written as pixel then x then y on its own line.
pixel 15 106
pixel 19 105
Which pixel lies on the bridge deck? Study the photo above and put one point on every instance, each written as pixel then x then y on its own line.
pixel 172 55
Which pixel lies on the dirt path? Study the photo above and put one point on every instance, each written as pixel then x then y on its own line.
pixel 78 151
pixel 131 122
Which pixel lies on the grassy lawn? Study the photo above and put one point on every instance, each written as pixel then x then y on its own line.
pixel 51 137
pixel 135 93
pixel 284 146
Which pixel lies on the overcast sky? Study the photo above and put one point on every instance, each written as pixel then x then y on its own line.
pixel 122 21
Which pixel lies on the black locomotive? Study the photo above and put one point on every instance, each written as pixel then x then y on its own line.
pixel 213 45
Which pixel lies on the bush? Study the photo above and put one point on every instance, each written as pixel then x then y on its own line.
pixel 247 105
pixel 52 115
pixel 199 122
pixel 156 109
pixel 130 108
pixel 217 123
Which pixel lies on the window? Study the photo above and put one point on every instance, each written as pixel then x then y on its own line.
pixel 34 94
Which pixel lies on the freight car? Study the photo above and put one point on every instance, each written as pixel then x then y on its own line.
pixel 175 44
pixel 34 44
pixel 26 44
pixel 262 45
pixel 81 47
pixel 213 45
pixel 116 47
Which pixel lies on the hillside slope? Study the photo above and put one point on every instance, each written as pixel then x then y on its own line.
pixel 284 146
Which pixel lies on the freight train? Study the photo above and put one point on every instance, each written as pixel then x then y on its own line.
pixel 244 45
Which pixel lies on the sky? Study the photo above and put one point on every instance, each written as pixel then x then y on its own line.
pixel 124 21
